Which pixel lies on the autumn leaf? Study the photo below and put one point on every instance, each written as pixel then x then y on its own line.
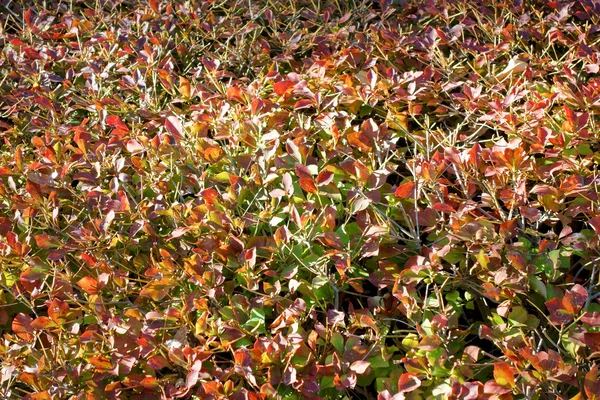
pixel 174 126
pixel 21 326
pixel 408 382
pixel 157 290
pixel 308 185
pixel 89 285
pixel 503 374
pixel 406 190
pixel 283 87
pixel 101 363
pixel 58 310
pixel 591 384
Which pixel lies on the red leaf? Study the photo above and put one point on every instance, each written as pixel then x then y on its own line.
pixel 283 87
pixel 158 362
pixel 408 382
pixel 494 388
pixel 406 190
pixel 595 223
pixel 174 126
pixel 324 178
pixel 308 184
pixel 303 104
pixel 302 171
pixel 592 340
pixel 574 299
pixel 192 377
pixel 443 207
pixel 209 195
pixel 592 319
pixel 115 122
pixel 557 313
pixel 21 326
pixel 34 190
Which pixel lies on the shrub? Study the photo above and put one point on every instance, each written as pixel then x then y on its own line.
pixel 256 200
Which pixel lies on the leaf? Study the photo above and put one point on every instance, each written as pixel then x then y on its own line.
pixel 115 122
pixel 21 326
pixel 174 126
pixel 303 104
pixel 89 285
pixel 101 363
pixel 213 154
pixel 406 190
pixel 158 362
pixel 134 147
pixel 185 87
pixel 157 290
pixel 236 94
pixel 591 384
pixel 360 366
pixel 192 377
pixel 44 241
pixel 34 190
pixel 515 66
pixel 308 185
pixel 58 310
pixel 43 323
pixel 283 87
pixel 503 374
pixel 574 299
pixel 44 395
pixel 408 382
pixel 595 223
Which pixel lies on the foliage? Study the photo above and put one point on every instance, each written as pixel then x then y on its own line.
pixel 273 199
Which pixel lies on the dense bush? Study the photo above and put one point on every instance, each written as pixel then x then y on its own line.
pixel 272 199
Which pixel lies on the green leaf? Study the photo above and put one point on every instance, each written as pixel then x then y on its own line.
pixel 337 340
pixel 518 316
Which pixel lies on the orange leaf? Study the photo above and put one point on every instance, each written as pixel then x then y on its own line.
pixel 503 374
pixel 58 310
pixel 101 363
pixel 235 93
pixel 184 87
pixel 308 184
pixel 43 323
pixel 40 396
pixel 89 285
pixel 157 290
pixel 213 154
pixel 283 87
pixel 406 190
